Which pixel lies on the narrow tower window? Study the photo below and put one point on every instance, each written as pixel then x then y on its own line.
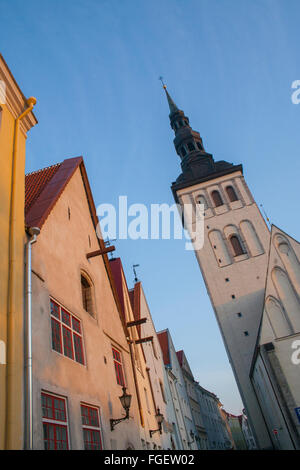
pixel 236 246
pixel 217 198
pixel 201 200
pixel 231 194
pixel 191 146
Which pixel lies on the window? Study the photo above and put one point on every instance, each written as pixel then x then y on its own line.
pixel 87 294
pixel 231 194
pixel 55 424
pixel 91 428
pixel 118 367
pixel 236 246
pixel 162 391
pixel 191 146
pixel 66 333
pixel 183 151
pixel 201 200
pixel 199 146
pixel 217 198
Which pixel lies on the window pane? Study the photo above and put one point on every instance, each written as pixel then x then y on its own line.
pixel 56 335
pixel 61 437
pixel 76 325
pixel 54 309
pixel 78 348
pixel 59 409
pixel 47 407
pixel 65 317
pixel 49 440
pixel 94 421
pixel 119 374
pixel 116 355
pixel 68 350
pixel 92 440
pixel 84 415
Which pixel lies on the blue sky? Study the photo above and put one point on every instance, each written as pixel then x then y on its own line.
pixel 93 66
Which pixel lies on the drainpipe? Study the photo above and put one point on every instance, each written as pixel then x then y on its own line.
pixel 34 232
pixel 136 383
pixel 11 359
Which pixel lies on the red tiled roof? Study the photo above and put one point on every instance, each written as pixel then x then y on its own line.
pixel 116 269
pixel 44 187
pixel 164 344
pixel 135 300
pixel 35 183
pixel 180 357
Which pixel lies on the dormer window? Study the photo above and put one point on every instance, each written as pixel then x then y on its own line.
pixel 199 146
pixel 216 197
pixel 183 151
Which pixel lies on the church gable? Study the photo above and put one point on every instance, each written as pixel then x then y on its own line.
pixel 281 315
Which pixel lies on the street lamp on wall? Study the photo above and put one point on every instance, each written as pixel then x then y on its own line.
pixel 125 400
pixel 159 418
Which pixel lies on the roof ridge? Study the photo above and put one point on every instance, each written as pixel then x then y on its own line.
pixel 42 169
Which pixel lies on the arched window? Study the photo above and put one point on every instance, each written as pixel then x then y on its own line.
pixel 217 198
pixel 87 295
pixel 231 194
pixel 236 245
pixel 201 200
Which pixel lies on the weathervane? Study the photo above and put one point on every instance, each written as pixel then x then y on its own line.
pixel 134 272
pixel 162 81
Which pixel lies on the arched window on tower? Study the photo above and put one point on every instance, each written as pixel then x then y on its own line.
pixel 231 194
pixel 217 198
pixel 87 294
pixel 236 245
pixel 191 146
pixel 201 200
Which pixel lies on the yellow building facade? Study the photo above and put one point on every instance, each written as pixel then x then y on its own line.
pixel 16 119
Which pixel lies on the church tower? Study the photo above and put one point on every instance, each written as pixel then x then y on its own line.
pixel 234 258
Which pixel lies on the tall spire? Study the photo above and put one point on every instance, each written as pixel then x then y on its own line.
pixel 196 163
pixel 172 105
